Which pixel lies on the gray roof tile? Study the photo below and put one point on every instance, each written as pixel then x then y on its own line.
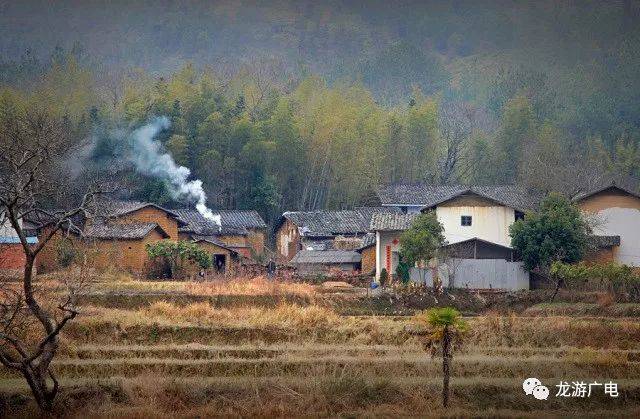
pixel 326 223
pixel 326 256
pixel 232 222
pixel 430 195
pixel 115 231
pixel 391 221
pixel 241 218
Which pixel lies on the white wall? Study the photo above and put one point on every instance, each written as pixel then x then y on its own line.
pixel 477 274
pixel 623 222
pixel 489 223
pixel 6 230
pixel 384 239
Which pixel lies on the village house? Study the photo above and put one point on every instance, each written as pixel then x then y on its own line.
pixel 319 230
pixel 113 233
pixel 12 258
pixel 616 215
pixel 480 215
pixel 242 230
pixel 309 262
pixel 116 233
pixel 368 254
pixel 238 238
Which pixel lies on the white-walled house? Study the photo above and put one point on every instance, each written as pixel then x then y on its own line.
pixel 617 212
pixel 467 213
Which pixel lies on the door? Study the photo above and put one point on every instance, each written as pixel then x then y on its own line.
pixel 220 263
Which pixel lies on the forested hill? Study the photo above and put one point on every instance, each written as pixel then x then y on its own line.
pixel 306 104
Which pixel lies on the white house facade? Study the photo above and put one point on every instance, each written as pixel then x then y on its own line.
pixel 617 214
pixel 476 213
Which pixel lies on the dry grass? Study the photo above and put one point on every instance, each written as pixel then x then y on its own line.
pixel 336 394
pixel 214 357
pixel 253 286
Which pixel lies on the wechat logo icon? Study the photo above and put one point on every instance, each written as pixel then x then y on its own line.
pixel 534 387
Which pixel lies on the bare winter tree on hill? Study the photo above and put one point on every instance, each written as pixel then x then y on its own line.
pixel 32 172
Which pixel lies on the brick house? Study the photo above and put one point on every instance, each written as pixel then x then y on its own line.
pixel 112 233
pixel 244 232
pixel 319 230
pixel 368 254
pixel 12 256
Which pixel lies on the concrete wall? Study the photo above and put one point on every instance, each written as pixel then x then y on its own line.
pixel 489 223
pixel 288 240
pixel 623 222
pixel 477 274
pixel 617 214
pixel 387 251
pixel 6 230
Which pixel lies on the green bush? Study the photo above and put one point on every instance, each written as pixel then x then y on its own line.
pixel 177 253
pixel 66 253
pixel 384 277
pixel 620 280
pixel 403 272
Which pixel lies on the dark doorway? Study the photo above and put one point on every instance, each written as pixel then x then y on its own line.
pixel 220 263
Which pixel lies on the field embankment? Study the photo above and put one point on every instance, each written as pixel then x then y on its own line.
pixel 300 355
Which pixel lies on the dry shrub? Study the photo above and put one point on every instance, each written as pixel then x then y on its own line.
pixel 284 315
pixel 605 299
pixel 589 356
pixel 251 286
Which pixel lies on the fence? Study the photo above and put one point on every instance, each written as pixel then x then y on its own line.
pixel 477 274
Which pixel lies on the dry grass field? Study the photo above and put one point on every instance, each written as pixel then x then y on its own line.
pixel 257 348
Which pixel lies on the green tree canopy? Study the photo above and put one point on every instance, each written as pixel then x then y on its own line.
pixel 177 253
pixel 422 240
pixel 557 232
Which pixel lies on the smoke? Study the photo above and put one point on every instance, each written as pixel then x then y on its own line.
pixel 149 158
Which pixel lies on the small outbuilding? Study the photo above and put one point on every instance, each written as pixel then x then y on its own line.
pixel 323 261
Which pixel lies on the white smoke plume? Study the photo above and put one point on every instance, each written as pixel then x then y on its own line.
pixel 149 159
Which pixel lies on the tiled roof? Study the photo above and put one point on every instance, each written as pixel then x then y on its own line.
pixel 114 231
pixel 212 240
pixel 604 188
pixel 196 223
pixel 112 208
pixel 391 221
pixel 368 240
pixel 232 222
pixel 241 218
pixel 328 223
pixel 326 256
pixel 429 195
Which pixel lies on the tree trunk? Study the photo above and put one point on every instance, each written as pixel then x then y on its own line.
pixel 446 365
pixel 36 370
pixel 37 379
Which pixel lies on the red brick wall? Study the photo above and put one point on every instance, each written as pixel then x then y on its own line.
pixel 11 256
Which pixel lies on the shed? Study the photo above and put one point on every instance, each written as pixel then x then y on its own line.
pixel 477 248
pixel 321 261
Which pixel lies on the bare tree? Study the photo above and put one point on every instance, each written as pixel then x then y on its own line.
pixel 31 172
pixel 457 122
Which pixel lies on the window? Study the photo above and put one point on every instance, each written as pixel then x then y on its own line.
pixel 519 215
pixel 465 220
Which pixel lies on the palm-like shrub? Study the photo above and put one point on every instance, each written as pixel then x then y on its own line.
pixel 446 328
